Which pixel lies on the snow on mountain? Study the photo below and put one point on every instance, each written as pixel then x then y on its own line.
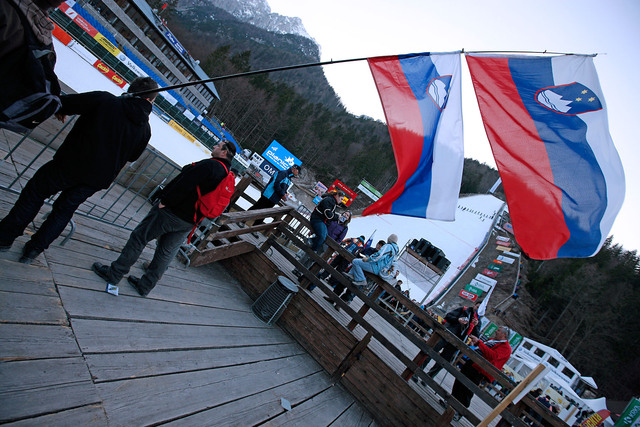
pixel 258 13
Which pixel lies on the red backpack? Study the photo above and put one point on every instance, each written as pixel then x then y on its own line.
pixel 213 203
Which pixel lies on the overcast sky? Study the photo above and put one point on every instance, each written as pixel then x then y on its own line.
pixel 358 28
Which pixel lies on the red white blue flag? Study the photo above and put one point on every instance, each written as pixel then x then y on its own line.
pixel 546 121
pixel 420 95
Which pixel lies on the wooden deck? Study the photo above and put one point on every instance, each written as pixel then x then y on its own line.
pixel 191 353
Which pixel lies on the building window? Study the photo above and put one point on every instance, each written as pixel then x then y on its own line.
pixel 568 372
pixel 553 362
pixel 539 352
pixel 524 371
pixel 527 345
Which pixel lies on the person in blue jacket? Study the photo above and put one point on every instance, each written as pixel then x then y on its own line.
pixel 375 263
pixel 275 190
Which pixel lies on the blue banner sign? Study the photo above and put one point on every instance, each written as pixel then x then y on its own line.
pixel 172 39
pixel 268 168
pixel 280 157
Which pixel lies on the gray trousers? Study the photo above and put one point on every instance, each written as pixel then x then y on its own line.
pixel 169 230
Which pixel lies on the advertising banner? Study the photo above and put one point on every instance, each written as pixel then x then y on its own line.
pixel 61 35
pixel 319 188
pixel 107 44
pixel 490 273
pixel 280 157
pixel 473 290
pixel 350 194
pixel 484 279
pixel 75 17
pixel 369 190
pixel 596 419
pixel 189 115
pixel 104 69
pixel 468 295
pixel 630 417
pixel 506 259
pixel 132 65
pixel 268 168
pixel 172 39
pixel 490 330
pixel 478 284
pixel 515 340
pixel 182 131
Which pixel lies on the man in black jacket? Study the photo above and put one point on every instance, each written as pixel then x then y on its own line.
pixel 170 221
pixel 462 322
pixel 110 132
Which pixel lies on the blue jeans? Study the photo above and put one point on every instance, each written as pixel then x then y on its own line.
pixel 320 228
pixel 169 230
pixel 47 181
pixel 358 267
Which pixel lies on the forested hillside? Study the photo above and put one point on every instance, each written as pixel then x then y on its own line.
pixel 586 308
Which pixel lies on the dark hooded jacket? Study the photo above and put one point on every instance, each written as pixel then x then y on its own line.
pixel 110 132
pixel 180 195
pixel 457 328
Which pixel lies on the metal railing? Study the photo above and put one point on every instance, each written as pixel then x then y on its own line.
pixel 123 204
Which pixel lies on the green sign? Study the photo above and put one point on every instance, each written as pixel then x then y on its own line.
pixel 495 267
pixel 515 340
pixel 631 414
pixel 369 190
pixel 473 289
pixel 490 329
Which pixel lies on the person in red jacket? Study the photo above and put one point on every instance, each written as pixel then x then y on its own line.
pixel 497 351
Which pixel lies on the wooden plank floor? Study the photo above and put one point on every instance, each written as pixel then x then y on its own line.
pixel 191 353
pixel 445 379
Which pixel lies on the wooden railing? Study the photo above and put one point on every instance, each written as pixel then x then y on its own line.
pixel 286 226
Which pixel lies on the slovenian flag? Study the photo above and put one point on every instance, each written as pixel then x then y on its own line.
pixel 420 95
pixel 547 124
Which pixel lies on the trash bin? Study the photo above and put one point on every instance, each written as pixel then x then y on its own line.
pixel 270 305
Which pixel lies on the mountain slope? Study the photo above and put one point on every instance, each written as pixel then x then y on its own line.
pixel 273 40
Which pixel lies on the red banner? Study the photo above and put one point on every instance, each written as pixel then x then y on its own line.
pixel 490 273
pixel 342 186
pixel 104 69
pixel 596 419
pixel 468 295
pixel 61 35
pixel 78 19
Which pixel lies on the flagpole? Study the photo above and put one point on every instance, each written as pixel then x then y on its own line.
pixel 269 70
pixel 339 61
pixel 248 73
pixel 533 52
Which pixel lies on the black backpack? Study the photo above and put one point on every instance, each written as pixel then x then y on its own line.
pixel 29 84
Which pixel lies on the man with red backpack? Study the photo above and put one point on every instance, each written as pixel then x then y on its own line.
pixel 182 204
